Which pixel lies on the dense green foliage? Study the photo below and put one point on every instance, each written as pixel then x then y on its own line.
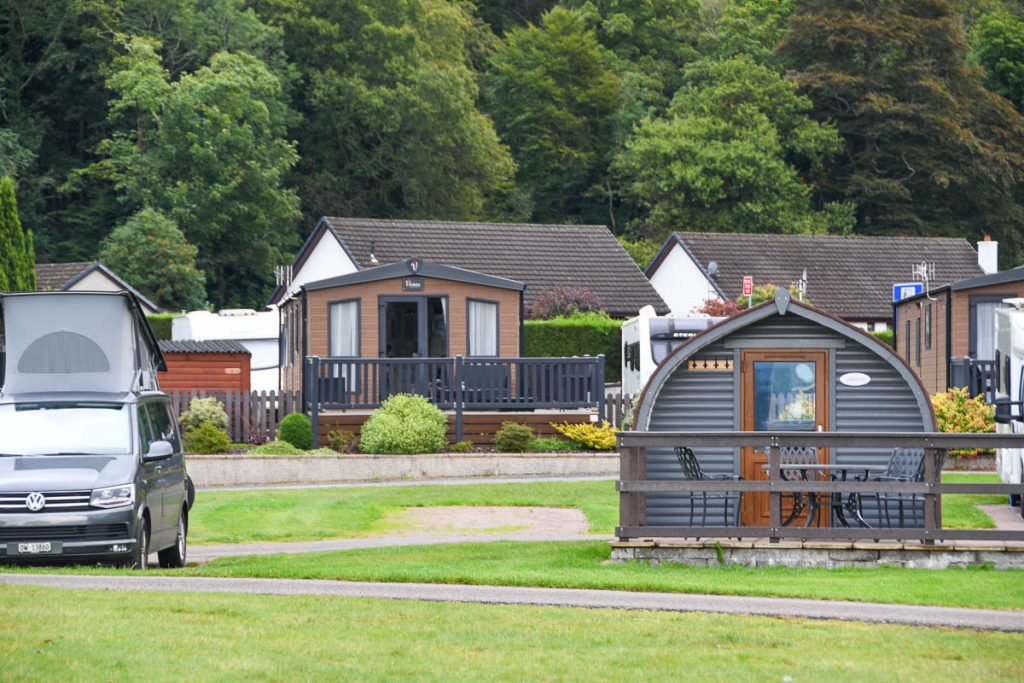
pixel 513 437
pixel 279 447
pixel 243 122
pixel 586 334
pixel 17 253
pixel 152 255
pixel 161 324
pixel 206 438
pixel 297 430
pixel 404 425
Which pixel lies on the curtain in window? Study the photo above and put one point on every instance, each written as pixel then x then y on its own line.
pixel 344 322
pixel 483 328
pixel 984 330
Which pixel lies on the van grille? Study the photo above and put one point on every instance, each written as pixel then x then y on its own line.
pixel 56 501
pixel 83 532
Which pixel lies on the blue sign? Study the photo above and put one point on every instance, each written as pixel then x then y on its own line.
pixel 906 289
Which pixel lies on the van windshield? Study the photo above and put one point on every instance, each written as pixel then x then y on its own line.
pixel 52 428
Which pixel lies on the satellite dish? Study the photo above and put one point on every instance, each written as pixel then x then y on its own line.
pixel 713 268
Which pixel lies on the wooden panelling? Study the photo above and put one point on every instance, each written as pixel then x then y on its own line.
pixel 369 293
pixel 962 312
pixel 477 427
pixel 210 371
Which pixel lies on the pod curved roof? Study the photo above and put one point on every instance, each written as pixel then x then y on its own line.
pixel 782 305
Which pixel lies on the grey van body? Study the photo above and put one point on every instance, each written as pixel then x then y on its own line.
pixel 87 475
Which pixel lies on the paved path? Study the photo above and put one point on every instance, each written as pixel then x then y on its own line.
pixel 989 620
pixel 1004 516
pixel 206 553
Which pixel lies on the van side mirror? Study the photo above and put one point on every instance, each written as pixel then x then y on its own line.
pixel 159 450
pixel 1004 410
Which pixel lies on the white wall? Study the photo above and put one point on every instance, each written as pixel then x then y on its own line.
pixel 681 283
pixel 96 281
pixel 326 260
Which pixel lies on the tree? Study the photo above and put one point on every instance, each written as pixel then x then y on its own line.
pixel 207 151
pixel 553 96
pixel 17 252
pixel 927 149
pixel 152 255
pixel 730 156
pixel 998 41
pixel 391 126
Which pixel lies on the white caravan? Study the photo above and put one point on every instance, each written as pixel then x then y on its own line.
pixel 647 340
pixel 1009 383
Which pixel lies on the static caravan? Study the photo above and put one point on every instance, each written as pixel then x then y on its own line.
pixel 648 338
pixel 780 366
pixel 1009 384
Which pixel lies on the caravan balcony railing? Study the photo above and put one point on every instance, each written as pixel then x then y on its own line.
pixel 458 383
pixel 979 376
pixel 635 485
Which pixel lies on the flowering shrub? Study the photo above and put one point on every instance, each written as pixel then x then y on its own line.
pixel 565 300
pixel 589 435
pixel 717 309
pixel 955 411
pixel 405 424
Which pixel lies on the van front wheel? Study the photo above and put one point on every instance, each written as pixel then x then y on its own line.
pixel 175 555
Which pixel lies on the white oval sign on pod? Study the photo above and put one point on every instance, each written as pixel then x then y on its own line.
pixel 854 379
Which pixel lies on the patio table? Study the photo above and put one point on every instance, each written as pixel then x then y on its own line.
pixel 836 472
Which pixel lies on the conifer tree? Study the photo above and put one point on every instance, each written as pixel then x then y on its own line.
pixel 17 253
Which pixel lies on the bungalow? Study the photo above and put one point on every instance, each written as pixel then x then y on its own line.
pixel 851 277
pixel 88 276
pixel 538 256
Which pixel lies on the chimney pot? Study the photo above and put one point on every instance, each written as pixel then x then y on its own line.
pixel 988 255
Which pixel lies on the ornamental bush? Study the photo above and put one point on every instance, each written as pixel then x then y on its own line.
pixel 206 438
pixel 275 448
pixel 297 430
pixel 513 438
pixel 404 425
pixel 341 441
pixel 201 410
pixel 562 300
pixel 589 435
pixel 956 411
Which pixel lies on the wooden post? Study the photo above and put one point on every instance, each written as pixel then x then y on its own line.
pixel 460 396
pixel 931 500
pixel 632 505
pixel 600 388
pixel 774 497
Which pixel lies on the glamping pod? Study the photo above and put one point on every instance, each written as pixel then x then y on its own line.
pixel 780 366
pixel 77 342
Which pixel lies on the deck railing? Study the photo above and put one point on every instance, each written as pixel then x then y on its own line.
pixel 979 376
pixel 459 383
pixel 634 485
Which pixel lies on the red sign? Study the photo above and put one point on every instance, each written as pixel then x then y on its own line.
pixel 748 285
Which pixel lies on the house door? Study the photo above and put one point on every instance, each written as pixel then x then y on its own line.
pixel 781 391
pixel 413 327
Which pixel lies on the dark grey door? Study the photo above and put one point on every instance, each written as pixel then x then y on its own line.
pixel 152 483
pixel 172 477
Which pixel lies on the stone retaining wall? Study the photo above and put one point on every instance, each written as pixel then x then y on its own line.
pixel 249 470
pixel 831 554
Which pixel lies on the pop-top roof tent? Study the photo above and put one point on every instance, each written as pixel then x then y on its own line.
pixel 77 342
pixel 780 366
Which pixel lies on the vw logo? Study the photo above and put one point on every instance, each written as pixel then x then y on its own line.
pixel 35 502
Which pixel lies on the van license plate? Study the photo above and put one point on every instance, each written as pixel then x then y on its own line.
pixel 43 548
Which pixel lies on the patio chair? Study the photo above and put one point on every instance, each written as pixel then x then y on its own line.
pixel 899 510
pixel 709 504
pixel 790 459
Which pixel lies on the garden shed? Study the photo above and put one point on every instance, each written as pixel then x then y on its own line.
pixel 780 366
pixel 215 365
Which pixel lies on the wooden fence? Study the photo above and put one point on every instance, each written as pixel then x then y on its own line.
pixel 254 417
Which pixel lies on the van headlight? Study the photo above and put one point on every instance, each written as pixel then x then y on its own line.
pixel 113 496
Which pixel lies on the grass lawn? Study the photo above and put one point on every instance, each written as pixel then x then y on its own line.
pixel 53 634
pixel 319 513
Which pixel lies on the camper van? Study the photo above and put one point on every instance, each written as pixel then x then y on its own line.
pixel 1009 384
pixel 649 338
pixel 91 464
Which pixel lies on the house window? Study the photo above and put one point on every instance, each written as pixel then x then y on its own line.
pixel 906 344
pixel 483 327
pixel 343 335
pixel 928 326
pixel 917 344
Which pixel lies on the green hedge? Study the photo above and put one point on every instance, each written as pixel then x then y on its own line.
pixel 579 335
pixel 161 324
pixel 885 336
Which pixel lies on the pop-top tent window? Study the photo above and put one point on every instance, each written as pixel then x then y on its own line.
pixel 76 342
